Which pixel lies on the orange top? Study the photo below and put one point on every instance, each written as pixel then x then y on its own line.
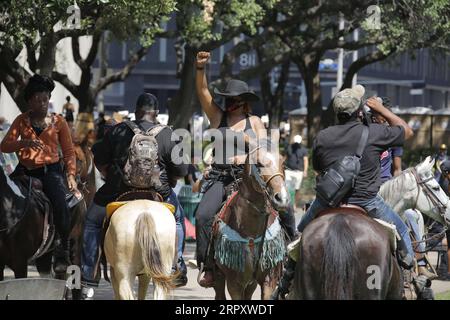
pixel 57 133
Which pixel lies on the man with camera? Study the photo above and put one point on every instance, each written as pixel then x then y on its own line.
pixel 367 140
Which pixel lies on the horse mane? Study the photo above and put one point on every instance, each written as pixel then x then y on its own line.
pixel 394 187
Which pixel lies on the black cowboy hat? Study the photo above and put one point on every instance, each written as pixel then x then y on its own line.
pixel 237 88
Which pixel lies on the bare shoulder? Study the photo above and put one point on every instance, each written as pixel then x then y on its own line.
pixel 256 122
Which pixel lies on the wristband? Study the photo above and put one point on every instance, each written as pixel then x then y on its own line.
pixel 200 68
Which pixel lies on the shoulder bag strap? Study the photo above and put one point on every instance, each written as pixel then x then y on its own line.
pixel 133 126
pixel 362 141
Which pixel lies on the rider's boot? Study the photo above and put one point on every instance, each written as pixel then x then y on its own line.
pixel 285 282
pixel 62 257
pixel 405 259
pixel 287 222
pixel 423 271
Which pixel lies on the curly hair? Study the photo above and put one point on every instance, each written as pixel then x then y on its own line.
pixel 38 83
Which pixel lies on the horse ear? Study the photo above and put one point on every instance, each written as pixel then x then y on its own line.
pixel 247 166
pixel 431 161
pixel 425 165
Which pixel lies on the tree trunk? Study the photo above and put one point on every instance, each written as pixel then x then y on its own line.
pixel 308 66
pixel 181 106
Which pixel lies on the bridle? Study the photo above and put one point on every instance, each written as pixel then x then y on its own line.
pixel 262 185
pixel 435 201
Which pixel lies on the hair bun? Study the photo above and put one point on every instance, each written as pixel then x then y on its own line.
pixel 38 83
pixel 45 81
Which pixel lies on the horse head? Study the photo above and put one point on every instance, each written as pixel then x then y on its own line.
pixel 431 197
pixel 263 169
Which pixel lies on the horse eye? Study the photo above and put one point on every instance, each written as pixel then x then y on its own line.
pixel 436 188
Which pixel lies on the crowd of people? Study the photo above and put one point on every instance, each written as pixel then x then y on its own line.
pixel 44 142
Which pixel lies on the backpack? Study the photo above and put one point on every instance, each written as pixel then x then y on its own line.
pixel 142 169
pixel 339 179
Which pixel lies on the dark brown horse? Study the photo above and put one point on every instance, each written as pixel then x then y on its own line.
pixel 21 224
pixel 23 209
pixel 346 255
pixel 243 232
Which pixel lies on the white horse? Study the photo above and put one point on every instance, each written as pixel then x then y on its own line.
pixel 140 241
pixel 416 188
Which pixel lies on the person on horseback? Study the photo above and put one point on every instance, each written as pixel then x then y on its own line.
pixel 334 142
pixel 234 115
pixel 391 163
pixel 110 157
pixel 40 138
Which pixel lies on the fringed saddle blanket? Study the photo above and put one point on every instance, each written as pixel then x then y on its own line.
pixel 231 249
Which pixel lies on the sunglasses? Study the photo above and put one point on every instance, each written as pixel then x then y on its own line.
pixel 235 103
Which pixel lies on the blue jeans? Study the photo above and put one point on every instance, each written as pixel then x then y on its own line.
pixel 375 207
pixel 411 216
pixel 93 230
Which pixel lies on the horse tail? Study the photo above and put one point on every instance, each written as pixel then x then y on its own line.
pixel 338 262
pixel 151 252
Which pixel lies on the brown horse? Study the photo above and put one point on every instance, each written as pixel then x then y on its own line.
pixel 346 255
pixel 249 226
pixel 86 167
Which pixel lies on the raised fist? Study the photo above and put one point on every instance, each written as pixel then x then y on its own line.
pixel 202 58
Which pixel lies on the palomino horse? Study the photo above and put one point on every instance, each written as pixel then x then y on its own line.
pixel 249 245
pixel 140 241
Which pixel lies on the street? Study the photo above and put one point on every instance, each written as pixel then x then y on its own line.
pixel 192 291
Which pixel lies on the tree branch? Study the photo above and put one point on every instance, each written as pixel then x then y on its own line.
pixel 361 63
pixel 122 74
pixel 76 52
pixel 66 82
pixel 94 49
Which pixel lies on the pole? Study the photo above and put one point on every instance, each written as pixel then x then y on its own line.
pixel 102 71
pixel 355 55
pixel 340 69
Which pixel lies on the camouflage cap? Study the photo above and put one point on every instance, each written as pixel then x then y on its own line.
pixel 348 100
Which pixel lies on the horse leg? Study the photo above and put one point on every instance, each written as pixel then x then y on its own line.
pixel 2 269
pixel 44 265
pixel 267 288
pixel 219 286
pixel 248 291
pixel 21 270
pixel 159 293
pixel 144 281
pixel 114 283
pixel 235 290
pixel 125 289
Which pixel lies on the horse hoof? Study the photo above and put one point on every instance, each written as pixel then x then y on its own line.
pixel 207 281
pixel 181 281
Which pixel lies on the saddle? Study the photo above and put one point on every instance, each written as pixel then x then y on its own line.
pixel 344 208
pixel 19 176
